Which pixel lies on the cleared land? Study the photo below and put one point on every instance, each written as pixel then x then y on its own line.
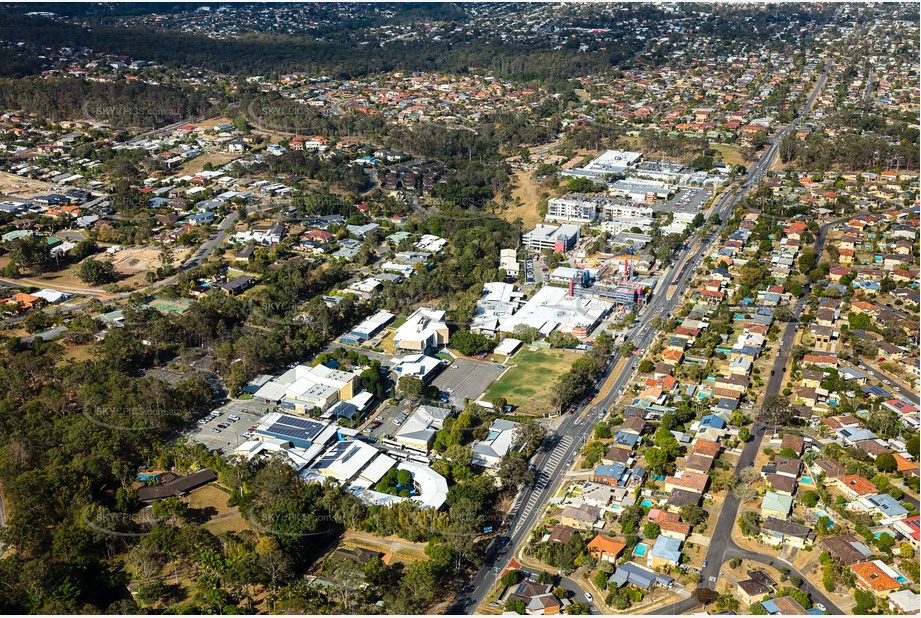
pixel 528 191
pixel 729 154
pixel 528 382
pixel 208 504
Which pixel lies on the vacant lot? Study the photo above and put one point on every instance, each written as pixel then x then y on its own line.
pixel 527 191
pixel 208 506
pixel 730 154
pixel 528 382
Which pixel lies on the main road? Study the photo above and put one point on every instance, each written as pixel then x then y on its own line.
pixel 560 448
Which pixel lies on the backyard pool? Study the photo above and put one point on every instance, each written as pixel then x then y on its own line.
pixel 647 503
pixel 807 480
pixel 880 533
pixel 640 549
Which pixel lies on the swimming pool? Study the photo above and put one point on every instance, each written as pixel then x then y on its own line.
pixel 806 480
pixel 640 549
pixel 879 533
pixel 647 503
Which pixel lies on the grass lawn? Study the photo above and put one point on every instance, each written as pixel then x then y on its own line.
pixel 528 382
pixel 208 505
pixel 730 154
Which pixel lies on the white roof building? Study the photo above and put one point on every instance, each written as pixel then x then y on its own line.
pixel 420 428
pixel 304 387
pixel 498 300
pixel 552 308
pixel 424 329
pixel 496 445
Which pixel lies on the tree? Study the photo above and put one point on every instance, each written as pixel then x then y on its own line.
pixel 471 344
pixel 725 479
pixel 651 530
pixel 514 470
pixel 578 609
pixel 744 492
pixel 744 434
pixel 96 272
pixel 809 498
pixel 694 515
pixel 646 366
pixel 776 410
pixel 169 508
pixel 885 462
pixel 531 434
pixel 865 601
pixel 705 595
pixel 516 605
pixel 411 387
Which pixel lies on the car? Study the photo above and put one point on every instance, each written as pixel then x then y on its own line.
pixel 202 421
pixel 233 418
pixel 820 607
pixel 887 382
pixel 751 464
pixel 589 598
pixel 216 430
pixel 379 418
pixel 784 370
pixel 704 565
pixel 897 389
pixel 880 360
pixel 773 372
pixel 223 425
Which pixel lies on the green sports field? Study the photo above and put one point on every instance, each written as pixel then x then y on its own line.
pixel 531 375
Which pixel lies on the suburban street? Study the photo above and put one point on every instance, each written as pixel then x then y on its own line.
pixel 722 548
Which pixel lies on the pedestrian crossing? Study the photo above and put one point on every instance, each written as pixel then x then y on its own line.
pixel 545 476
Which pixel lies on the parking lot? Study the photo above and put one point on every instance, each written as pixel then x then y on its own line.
pixel 688 199
pixel 467 379
pixel 385 415
pixel 249 413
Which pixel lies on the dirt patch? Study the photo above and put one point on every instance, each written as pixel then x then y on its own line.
pixel 525 200
pixel 212 122
pixel 22 187
pixel 216 159
pixel 135 260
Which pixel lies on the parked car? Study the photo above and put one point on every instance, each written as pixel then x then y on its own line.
pixel 233 418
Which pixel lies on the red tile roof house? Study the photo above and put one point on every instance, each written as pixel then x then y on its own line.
pixel 854 486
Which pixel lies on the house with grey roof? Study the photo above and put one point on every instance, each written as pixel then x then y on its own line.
pixel 633 574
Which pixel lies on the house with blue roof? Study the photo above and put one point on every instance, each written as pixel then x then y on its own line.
pixel 883 504
pixel 200 218
pixel 626 440
pixel 665 552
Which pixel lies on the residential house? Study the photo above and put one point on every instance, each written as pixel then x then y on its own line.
pixel 854 486
pixel 845 549
pixel 603 547
pixel 776 531
pixel 688 481
pixel 876 577
pixel 751 591
pixel 664 553
pixel 580 517
pixel 776 505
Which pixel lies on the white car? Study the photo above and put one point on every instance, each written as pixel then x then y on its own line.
pixel 820 607
pixel 589 598
pixel 887 382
